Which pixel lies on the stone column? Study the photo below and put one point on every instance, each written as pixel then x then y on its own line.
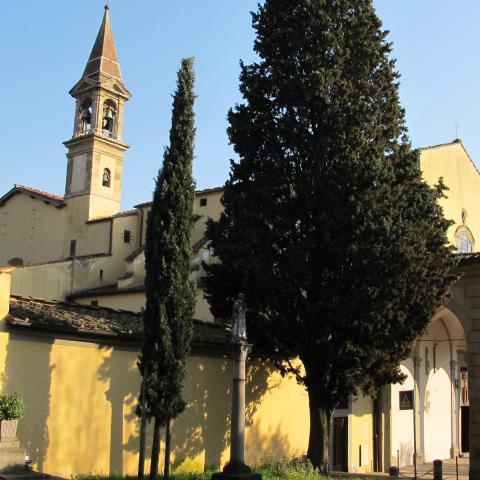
pixel 454 449
pixel 417 362
pixel 236 468
pixel 237 449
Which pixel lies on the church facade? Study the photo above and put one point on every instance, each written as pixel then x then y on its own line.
pixel 71 329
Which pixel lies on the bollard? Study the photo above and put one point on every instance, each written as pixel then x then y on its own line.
pixel 437 470
pixel 394 472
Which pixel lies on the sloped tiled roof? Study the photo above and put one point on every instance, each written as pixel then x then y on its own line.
pixel 110 289
pixel 126 213
pixel 205 191
pixel 469 258
pixel 49 197
pixel 60 318
pixel 134 254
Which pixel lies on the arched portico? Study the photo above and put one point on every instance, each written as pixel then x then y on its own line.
pixel 440 354
pixel 433 372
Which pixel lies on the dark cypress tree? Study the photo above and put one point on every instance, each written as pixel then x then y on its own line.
pixel 329 230
pixel 170 294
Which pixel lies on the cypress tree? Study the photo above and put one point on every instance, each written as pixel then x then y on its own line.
pixel 170 295
pixel 338 244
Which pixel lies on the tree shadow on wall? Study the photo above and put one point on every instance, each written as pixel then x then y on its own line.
pixel 28 371
pixel 204 428
pixel 200 435
pixel 119 370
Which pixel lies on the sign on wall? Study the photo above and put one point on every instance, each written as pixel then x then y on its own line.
pixel 406 399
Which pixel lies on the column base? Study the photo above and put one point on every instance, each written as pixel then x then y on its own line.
pixel 236 471
pixel 236 476
pixel 454 452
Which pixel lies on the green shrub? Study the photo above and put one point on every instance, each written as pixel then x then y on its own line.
pixel 12 406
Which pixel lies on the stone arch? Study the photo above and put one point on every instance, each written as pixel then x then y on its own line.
pixel 439 349
pixel 85 117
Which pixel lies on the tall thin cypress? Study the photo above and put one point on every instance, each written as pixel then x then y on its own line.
pixel 170 294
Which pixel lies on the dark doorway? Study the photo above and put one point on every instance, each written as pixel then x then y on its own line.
pixel 464 410
pixel 340 444
pixel 465 419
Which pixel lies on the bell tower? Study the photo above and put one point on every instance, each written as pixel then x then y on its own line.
pixel 96 149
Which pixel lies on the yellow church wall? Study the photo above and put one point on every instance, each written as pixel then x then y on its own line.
pixel 133 302
pixel 80 400
pixel 463 180
pixel 120 249
pixel 5 283
pixel 56 280
pixel 30 229
pixel 202 308
pixel 360 424
pixel 213 209
pixel 91 238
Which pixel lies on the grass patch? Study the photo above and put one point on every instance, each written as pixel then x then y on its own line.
pixel 294 469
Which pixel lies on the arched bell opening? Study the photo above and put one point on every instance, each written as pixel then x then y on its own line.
pixel 85 117
pixel 109 119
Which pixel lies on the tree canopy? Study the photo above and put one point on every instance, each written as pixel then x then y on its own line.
pixel 328 229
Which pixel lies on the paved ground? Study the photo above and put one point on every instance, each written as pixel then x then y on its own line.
pixel 425 472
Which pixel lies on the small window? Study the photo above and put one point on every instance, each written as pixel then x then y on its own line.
pixel 203 202
pixel 73 247
pixel 94 303
pixel 101 275
pixel 127 236
pixel 107 178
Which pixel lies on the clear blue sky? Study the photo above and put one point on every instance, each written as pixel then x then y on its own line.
pixel 44 47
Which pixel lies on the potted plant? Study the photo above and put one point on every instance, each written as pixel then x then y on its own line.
pixel 12 408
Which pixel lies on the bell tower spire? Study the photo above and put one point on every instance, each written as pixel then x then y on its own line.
pixel 96 149
pixel 103 58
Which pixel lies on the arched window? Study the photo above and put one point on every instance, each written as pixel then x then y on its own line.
pixel 109 119
pixel 85 117
pixel 107 177
pixel 464 240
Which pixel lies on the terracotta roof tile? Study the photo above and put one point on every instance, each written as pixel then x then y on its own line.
pixel 50 196
pixel 72 318
pixel 205 191
pixel 103 58
pixel 56 199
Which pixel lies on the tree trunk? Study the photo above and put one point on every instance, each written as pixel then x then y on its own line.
pixel 319 439
pixel 377 434
pixel 155 450
pixel 166 467
pixel 143 428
